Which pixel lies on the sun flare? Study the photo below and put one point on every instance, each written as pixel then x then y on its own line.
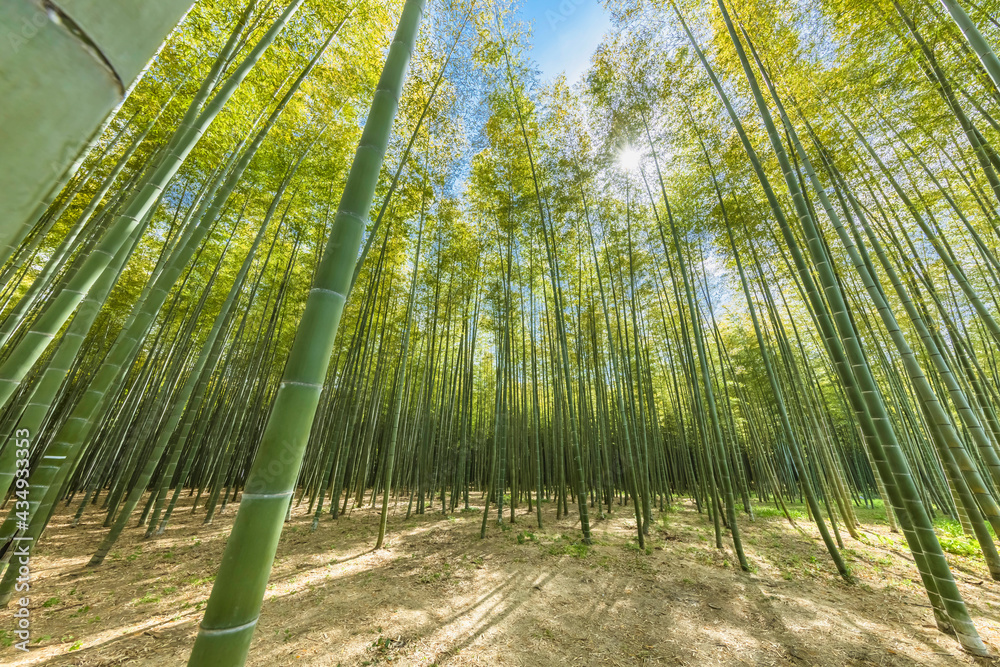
pixel 629 159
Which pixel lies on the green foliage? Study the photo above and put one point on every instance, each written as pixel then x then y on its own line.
pixel 526 536
pixel 561 295
pixel 954 541
pixel 770 512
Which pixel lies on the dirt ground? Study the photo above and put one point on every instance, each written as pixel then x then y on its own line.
pixel 440 595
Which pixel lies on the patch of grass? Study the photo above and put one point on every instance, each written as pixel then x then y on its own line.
pixel 704 557
pixel 6 638
pixel 439 575
pixel 870 515
pixel 566 546
pixel 147 599
pixel 886 541
pixel 81 611
pixel 771 512
pixel 954 540
pixel 77 645
pixel 882 561
pixel 526 536
pixel 948 527
pixel 51 602
pixel 633 545
pixel 960 546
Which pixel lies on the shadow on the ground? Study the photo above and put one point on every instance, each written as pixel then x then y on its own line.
pixel 439 595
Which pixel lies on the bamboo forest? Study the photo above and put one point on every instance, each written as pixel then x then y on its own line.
pixel 499 332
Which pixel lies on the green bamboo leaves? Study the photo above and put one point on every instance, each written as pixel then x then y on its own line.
pixel 791 300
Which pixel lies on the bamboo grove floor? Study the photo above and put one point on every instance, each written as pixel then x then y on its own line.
pixel 440 595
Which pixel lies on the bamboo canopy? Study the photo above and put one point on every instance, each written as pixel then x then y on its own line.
pixel 750 257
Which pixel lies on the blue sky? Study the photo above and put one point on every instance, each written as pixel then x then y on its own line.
pixel 566 33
